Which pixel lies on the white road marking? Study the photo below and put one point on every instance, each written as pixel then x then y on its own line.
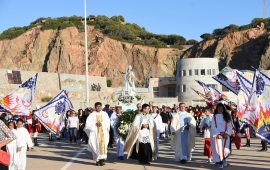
pixel 67 165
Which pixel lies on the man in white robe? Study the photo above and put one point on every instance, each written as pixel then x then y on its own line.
pixel 159 124
pixel 183 129
pixel 97 128
pixel 141 141
pixel 23 140
pixel 118 140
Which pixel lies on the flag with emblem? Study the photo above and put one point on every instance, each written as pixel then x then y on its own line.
pixel 19 102
pixel 257 112
pixel 228 78
pixel 52 115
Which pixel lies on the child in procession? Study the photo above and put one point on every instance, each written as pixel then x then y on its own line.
pixel 221 130
pixel 23 140
pixel 205 127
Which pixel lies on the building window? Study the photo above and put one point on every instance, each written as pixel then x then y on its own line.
pixel 171 92
pixel 190 72
pixel 184 88
pixel 184 73
pixel 196 72
pixel 156 91
pixel 214 71
pixel 178 89
pixel 14 77
pixel 202 72
pixel 208 71
pixel 224 89
pixel 215 86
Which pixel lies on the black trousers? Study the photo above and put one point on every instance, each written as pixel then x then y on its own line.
pixel 111 137
pixel 144 154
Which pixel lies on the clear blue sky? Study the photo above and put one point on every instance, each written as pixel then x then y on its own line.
pixel 189 18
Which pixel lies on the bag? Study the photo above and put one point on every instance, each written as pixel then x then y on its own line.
pixel 4 158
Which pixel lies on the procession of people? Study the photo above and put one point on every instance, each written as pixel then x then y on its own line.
pixel 142 141
pixel 134 127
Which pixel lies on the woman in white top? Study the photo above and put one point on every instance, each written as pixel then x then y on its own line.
pixel 73 126
pixel 12 148
pixel 221 130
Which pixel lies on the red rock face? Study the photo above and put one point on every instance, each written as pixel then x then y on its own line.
pixel 63 51
pixel 239 50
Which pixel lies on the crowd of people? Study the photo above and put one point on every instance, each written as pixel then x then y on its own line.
pixel 97 127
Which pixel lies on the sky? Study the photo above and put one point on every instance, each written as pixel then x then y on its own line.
pixel 189 18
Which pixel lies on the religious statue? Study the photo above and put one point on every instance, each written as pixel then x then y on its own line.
pixel 130 89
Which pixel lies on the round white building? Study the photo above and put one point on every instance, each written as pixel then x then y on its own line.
pixel 191 69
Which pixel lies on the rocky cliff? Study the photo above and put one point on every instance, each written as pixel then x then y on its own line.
pixel 240 50
pixel 63 51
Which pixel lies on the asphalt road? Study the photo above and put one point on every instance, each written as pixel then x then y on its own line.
pixel 61 155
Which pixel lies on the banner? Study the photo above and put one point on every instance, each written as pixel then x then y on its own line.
pixel 201 95
pixel 228 78
pixel 243 97
pixel 257 112
pixel 210 94
pixel 2 109
pixel 19 102
pixel 52 115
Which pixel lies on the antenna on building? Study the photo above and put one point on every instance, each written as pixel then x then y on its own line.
pixel 264 9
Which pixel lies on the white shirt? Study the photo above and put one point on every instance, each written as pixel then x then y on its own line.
pixel 73 122
pixel 144 133
pixel 23 138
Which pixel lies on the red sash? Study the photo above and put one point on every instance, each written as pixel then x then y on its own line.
pixel 225 140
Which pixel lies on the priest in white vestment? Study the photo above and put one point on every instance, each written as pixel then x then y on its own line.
pixel 141 141
pixel 118 140
pixel 183 130
pixel 97 128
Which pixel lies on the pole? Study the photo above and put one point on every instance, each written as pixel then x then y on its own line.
pixel 264 9
pixel 86 56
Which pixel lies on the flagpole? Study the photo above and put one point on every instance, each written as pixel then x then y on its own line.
pixel 86 56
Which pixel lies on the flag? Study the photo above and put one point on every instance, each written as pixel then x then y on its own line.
pixel 257 112
pixel 245 84
pixel 243 96
pixel 63 93
pixel 199 93
pixel 228 78
pixel 52 115
pixel 211 95
pixel 2 109
pixel 19 102
pixel 204 86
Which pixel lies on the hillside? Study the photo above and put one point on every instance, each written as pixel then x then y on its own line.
pixel 239 47
pixel 62 50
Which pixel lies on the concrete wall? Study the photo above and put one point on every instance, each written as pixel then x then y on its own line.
pixel 184 65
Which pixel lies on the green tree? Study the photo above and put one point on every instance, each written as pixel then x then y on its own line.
pixel 207 36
